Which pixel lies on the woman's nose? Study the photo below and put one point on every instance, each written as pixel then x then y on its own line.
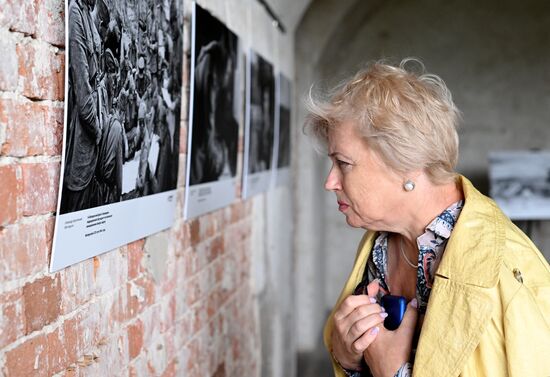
pixel 332 183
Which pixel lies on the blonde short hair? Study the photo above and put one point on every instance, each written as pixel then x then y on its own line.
pixel 407 117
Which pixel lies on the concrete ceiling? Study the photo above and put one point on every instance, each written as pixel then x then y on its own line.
pixel 289 11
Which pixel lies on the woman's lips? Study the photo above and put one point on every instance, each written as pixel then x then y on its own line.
pixel 342 206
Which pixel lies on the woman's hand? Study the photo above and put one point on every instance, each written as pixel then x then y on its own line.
pixel 355 327
pixel 392 348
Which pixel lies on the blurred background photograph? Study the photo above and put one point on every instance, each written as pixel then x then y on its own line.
pixel 217 109
pixel 260 126
pixel 283 135
pixel 520 183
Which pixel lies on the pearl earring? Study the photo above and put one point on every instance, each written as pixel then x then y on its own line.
pixel 409 185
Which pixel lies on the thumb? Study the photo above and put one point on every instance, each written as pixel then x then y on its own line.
pixel 411 315
pixel 373 288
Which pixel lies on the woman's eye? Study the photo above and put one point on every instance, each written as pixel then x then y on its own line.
pixel 343 164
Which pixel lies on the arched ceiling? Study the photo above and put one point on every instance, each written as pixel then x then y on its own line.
pixel 289 11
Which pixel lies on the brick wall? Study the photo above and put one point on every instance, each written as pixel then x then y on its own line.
pixel 179 303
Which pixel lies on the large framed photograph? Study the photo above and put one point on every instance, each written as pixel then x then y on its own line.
pixel 520 183
pixel 282 137
pixel 260 126
pixel 122 125
pixel 215 113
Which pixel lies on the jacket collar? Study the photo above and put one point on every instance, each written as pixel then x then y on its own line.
pixel 460 305
pixel 472 253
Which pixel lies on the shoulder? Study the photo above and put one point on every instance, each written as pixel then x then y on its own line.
pixel 76 19
pixel 484 241
pixel 75 9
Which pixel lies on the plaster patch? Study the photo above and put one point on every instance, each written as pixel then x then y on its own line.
pixel 156 255
pixel 137 292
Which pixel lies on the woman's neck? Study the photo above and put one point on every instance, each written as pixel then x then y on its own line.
pixel 425 206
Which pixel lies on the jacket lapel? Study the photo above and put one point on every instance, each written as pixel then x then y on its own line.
pixel 460 304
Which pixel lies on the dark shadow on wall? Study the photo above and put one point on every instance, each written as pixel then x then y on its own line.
pixel 480 180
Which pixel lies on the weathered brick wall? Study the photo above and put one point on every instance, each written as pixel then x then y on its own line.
pixel 179 303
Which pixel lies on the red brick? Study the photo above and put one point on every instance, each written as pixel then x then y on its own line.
pixel 220 371
pixel 181 175
pixel 208 226
pixel 11 317
pixel 183 141
pixel 42 301
pixel 32 128
pixel 216 248
pixel 19 15
pixel 164 316
pixel 193 291
pixel 136 245
pixel 40 186
pixel 119 311
pixel 10 66
pixel 76 285
pixel 194 231
pixel 29 359
pixel 135 257
pixel 51 21
pixel 56 353
pixel 181 238
pixel 10 189
pixel 135 339
pixel 193 353
pixel 170 370
pixel 24 249
pixel 42 355
pixel 213 303
pixel 219 270
pixel 41 68
pixel 200 316
pixel 71 336
pixel 235 211
pixel 141 294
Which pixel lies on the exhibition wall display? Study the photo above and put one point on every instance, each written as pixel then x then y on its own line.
pixel 216 106
pixel 260 126
pixel 520 183
pixel 122 125
pixel 282 135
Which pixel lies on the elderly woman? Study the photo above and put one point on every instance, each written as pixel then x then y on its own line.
pixel 477 288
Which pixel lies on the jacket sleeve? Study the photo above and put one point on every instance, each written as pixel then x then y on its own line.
pixel 527 331
pixel 85 95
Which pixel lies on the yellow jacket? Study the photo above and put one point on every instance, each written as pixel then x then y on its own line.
pixel 489 309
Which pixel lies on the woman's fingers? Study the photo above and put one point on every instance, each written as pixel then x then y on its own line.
pixel 349 304
pixel 408 324
pixel 365 324
pixel 354 324
pixel 373 288
pixel 361 312
pixel 361 344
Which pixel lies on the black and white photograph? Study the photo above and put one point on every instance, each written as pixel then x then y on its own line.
pixel 122 124
pixel 282 138
pixel 520 183
pixel 260 126
pixel 215 112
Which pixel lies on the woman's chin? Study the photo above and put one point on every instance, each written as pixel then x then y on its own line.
pixel 353 222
